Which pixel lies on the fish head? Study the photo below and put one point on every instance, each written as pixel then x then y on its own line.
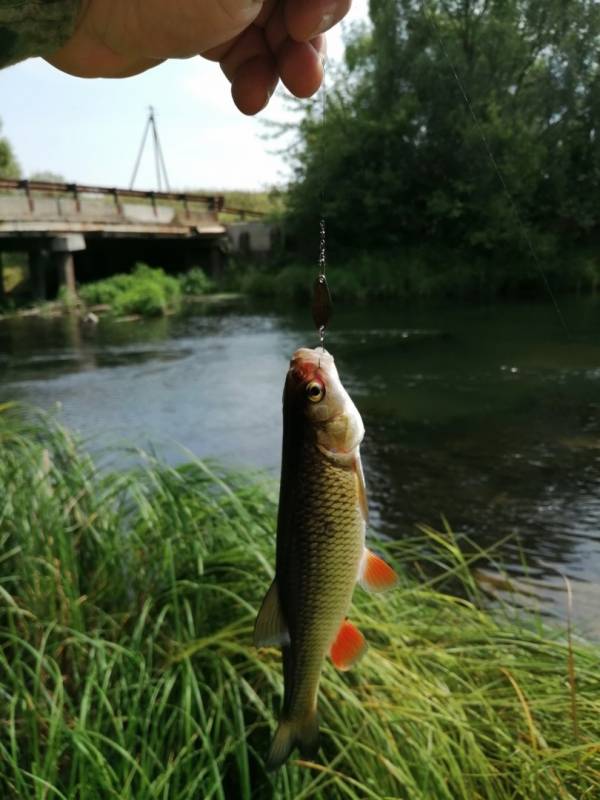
pixel 314 390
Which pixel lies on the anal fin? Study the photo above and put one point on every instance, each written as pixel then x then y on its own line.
pixel 270 627
pixel 349 646
pixel 375 575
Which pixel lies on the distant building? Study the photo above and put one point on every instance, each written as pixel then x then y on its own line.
pixel 253 238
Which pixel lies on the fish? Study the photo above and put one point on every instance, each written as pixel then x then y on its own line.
pixel 321 552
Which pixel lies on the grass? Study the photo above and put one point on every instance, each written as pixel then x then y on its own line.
pixel 127 670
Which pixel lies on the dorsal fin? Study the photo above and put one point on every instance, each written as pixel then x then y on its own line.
pixel 270 627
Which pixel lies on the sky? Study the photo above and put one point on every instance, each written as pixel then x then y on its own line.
pixel 89 131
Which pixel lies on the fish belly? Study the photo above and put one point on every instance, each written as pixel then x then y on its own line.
pixel 324 552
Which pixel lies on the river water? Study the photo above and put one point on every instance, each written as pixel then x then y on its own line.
pixel 489 416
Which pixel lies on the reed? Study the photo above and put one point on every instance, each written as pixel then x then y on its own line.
pixel 127 601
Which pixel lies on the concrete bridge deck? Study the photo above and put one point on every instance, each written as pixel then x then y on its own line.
pixel 74 231
pixel 39 208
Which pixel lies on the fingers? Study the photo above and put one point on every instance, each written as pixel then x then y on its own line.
pixel 254 83
pixel 269 49
pixel 306 19
pixel 249 65
pixel 300 67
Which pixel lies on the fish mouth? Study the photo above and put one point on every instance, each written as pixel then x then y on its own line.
pixel 307 355
pixel 305 363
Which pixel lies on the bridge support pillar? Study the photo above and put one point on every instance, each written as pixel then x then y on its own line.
pixel 63 248
pixel 216 263
pixel 38 262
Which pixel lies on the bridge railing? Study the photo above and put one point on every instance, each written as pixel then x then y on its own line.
pixel 76 191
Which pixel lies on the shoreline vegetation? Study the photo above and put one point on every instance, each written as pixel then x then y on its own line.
pixel 144 292
pixel 425 274
pixel 127 668
pixel 147 291
pixel 416 276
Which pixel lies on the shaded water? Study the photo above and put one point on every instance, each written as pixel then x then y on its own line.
pixel 490 416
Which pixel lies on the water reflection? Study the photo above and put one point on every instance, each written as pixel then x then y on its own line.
pixel 489 416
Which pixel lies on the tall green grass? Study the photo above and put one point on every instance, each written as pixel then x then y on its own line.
pixel 127 601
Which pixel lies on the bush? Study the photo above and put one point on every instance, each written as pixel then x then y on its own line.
pixel 146 290
pixel 167 283
pixel 104 292
pixel 257 283
pixel 195 282
pixel 146 298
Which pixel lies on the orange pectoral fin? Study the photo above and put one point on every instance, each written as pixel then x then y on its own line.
pixel 349 646
pixel 375 575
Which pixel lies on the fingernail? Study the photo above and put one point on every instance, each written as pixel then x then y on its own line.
pixel 326 20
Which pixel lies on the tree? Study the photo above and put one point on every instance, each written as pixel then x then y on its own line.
pixel 467 123
pixel 9 166
pixel 48 176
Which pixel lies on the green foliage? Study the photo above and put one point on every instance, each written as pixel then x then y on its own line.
pixel 270 202
pixel 146 298
pixel 127 668
pixel 67 299
pixel 9 166
pixel 431 106
pixel 425 272
pixel 148 291
pixel 47 175
pixel 104 292
pixel 195 282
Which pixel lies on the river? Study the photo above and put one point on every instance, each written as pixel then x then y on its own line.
pixel 487 415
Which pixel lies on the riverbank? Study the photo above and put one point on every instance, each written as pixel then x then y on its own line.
pixel 145 292
pixel 424 273
pixel 413 274
pixel 128 669
pixel 57 309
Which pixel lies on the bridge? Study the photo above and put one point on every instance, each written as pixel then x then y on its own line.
pixel 74 232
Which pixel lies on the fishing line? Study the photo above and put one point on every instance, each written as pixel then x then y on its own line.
pixel 512 204
pixel 321 302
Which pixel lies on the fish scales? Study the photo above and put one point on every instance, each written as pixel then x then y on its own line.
pixel 325 548
pixel 321 549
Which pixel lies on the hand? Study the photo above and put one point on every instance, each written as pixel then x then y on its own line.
pixel 257 42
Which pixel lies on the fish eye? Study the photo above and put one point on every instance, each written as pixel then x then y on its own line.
pixel 315 391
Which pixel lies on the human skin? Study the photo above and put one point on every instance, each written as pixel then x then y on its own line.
pixel 256 42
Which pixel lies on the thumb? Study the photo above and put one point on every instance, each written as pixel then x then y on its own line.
pixel 115 38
